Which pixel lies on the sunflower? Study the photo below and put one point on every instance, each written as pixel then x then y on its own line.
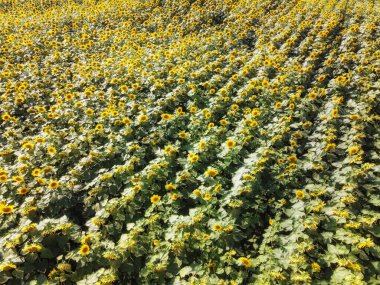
pixel 89 112
pixel 41 181
pixel 183 134
pixel 169 150
pixel 330 147
pixel 315 267
pixel 248 122
pixel 22 191
pixel 69 96
pixel 207 196
pixel 3 178
pixel 126 121
pixel 223 122
pixel 293 158
pixel 6 117
pixel 335 113
pixel 33 248
pixel 353 150
pixel 234 107
pixel 29 228
pixel 193 158
pixel 265 83
pixel 28 145
pixel 7 267
pixel 354 117
pixel 255 113
pixel 136 188
pixel 142 118
pixel 300 194
pixel 292 165
pixel 254 124
pixel 124 88
pixel 278 276
pixel 54 184
pixel 166 116
pixel 246 262
pixel 84 250
pixel 6 209
pixel 155 199
pixel 39 140
pixel 19 100
pixel 365 244
pixel 211 172
pixel 51 150
pixel 99 127
pixel 217 227
pixel 223 92
pixel 230 144
pixel 170 187
pixel 202 144
pixel 312 96
pixel 41 109
pixel 86 239
pixel 205 236
pixel 174 196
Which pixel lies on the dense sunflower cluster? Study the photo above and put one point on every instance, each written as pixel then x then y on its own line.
pixel 189 142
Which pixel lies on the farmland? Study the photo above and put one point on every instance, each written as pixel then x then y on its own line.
pixel 190 142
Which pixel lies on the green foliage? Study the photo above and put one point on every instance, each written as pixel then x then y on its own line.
pixel 189 142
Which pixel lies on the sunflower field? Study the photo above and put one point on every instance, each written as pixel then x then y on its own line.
pixel 195 142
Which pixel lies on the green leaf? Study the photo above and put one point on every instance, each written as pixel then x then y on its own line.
pixel 46 253
pixel 339 276
pixel 185 271
pixel 18 273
